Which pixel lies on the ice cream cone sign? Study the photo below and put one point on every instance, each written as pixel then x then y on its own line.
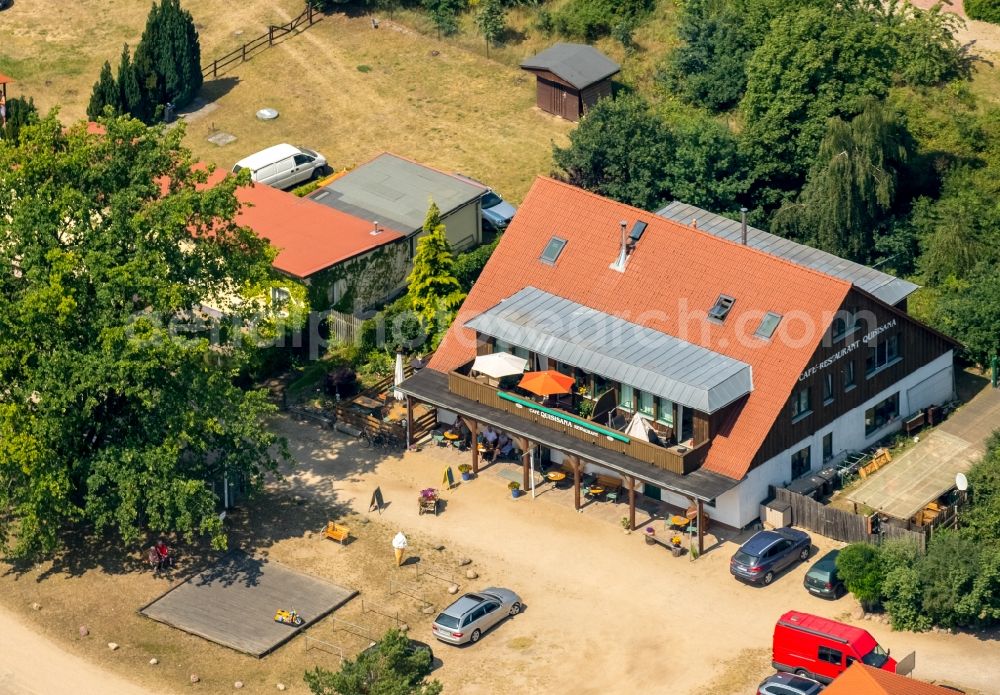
pixel 399 545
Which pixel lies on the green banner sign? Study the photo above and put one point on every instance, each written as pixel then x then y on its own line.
pixel 564 418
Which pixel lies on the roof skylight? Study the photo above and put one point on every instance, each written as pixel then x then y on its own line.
pixel 767 325
pixel 721 309
pixel 552 250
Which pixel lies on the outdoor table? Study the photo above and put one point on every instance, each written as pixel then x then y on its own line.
pixel 481 448
pixel 368 403
pixel 677 520
pixel 451 436
pixel 595 490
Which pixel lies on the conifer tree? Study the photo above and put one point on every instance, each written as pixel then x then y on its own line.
pixel 21 111
pixel 435 293
pixel 105 93
pixel 131 98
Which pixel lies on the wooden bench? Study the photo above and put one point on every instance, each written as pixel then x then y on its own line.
pixel 336 532
pixel 612 486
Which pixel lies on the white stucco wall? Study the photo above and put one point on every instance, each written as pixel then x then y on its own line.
pixel 741 505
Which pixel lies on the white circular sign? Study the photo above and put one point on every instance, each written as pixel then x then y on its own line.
pixel 961 482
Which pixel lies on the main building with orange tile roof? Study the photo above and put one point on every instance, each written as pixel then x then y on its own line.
pixel 707 369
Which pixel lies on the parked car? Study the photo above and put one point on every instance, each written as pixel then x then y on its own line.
pixel 473 614
pixel 822 579
pixel 819 648
pixel 768 552
pixel 282 166
pixel 497 212
pixel 788 684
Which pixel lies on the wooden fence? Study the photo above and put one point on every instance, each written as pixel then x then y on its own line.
pixel 842 525
pixel 344 328
pixel 251 48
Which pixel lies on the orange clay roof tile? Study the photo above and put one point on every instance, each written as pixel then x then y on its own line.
pixel 672 278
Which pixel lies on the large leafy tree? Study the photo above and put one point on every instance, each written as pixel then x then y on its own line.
pixel 434 291
pixel 114 409
pixel 852 185
pixel 392 667
pixel 626 151
pixel 969 310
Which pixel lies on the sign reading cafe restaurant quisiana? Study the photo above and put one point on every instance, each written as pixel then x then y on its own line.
pixel 847 349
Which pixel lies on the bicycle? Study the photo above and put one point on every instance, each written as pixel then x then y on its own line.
pixel 372 440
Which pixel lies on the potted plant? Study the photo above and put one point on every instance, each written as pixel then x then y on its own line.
pixel 466 471
pixel 515 488
pixel 650 535
pixel 626 525
pixel 585 409
pixel 675 545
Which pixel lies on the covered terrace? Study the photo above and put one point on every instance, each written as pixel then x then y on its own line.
pixel 578 441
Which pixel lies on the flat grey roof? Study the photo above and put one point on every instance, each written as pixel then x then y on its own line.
pixel 888 288
pixel 616 349
pixel 396 192
pixel 579 64
pixel 431 386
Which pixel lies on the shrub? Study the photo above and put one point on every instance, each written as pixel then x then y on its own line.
pixel 470 264
pixel 860 566
pixel 589 20
pixel 985 10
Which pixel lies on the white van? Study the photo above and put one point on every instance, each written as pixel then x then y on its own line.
pixel 282 166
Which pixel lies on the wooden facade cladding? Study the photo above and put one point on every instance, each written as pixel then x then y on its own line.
pixel 918 345
pixel 557 96
pixel 668 459
pixel 590 95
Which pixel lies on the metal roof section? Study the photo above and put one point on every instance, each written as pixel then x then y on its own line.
pixel 883 286
pixel 579 64
pixel 396 192
pixel 617 349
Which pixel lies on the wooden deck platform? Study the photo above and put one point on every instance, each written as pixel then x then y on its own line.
pixel 233 603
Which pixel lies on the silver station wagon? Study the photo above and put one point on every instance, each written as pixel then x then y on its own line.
pixel 473 614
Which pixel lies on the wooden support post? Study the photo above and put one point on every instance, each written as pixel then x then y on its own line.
pixel 270 35
pixel 701 528
pixel 244 48
pixel 215 69
pixel 409 422
pixel 575 462
pixel 310 6
pixel 474 433
pixel 525 462
pixel 631 502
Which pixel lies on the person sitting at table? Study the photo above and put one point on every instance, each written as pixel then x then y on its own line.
pixel 464 435
pixel 489 438
pixel 504 445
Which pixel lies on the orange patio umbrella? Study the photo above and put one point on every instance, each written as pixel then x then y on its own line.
pixel 547 383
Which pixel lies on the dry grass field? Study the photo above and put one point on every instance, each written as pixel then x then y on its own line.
pixel 341 87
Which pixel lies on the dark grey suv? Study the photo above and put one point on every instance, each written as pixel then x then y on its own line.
pixel 768 552
pixel 787 684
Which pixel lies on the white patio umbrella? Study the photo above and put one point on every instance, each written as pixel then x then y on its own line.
pixel 499 364
pixel 398 377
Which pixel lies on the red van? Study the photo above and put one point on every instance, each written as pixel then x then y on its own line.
pixel 823 649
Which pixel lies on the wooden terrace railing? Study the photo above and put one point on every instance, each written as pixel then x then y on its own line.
pixel 667 459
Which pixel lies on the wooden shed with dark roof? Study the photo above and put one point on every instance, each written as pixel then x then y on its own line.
pixel 570 78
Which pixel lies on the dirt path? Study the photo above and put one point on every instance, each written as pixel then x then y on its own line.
pixel 603 609
pixel 32 665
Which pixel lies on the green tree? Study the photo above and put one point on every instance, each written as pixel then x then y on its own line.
pixel 131 98
pixel 626 151
pixel 717 39
pixel 969 311
pixel 115 411
pixel 105 93
pixel 168 57
pixel 813 65
pixel 984 10
pixel 392 667
pixel 860 568
pixel 491 20
pixel 444 14
pixel 852 185
pixel 21 111
pixel 435 294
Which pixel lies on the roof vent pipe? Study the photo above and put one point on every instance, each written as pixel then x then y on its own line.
pixel 694 223
pixel 743 225
pixel 376 230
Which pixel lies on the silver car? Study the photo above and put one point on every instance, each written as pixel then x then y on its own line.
pixel 470 616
